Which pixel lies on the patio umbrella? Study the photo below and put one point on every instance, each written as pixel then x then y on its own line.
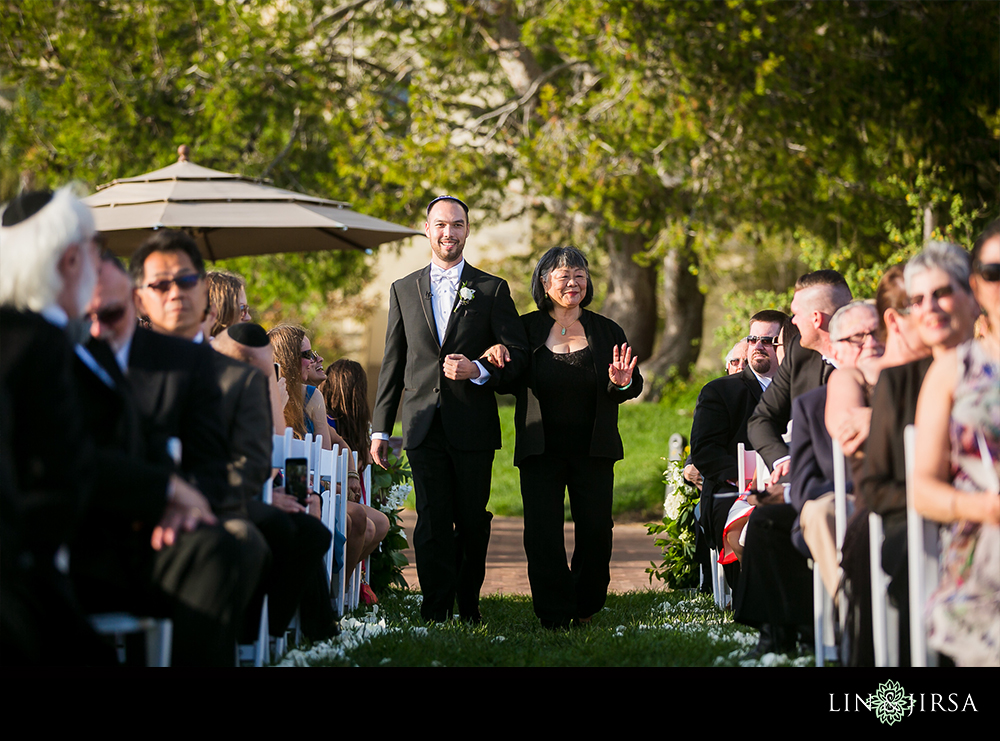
pixel 230 215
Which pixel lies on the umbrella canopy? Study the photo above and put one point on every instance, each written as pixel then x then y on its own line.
pixel 230 215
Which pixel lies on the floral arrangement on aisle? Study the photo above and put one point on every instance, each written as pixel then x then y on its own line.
pixel 679 568
pixel 390 488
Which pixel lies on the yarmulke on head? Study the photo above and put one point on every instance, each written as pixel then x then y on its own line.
pixel 24 206
pixel 249 334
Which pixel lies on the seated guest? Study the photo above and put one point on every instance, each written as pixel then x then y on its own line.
pixel 306 412
pixel 854 329
pixel 345 391
pixel 817 297
pixel 184 390
pixel 736 358
pixel 47 272
pixel 295 535
pixel 944 310
pixel 957 472
pixel 720 424
pixel 848 419
pixel 227 295
pixel 784 615
pixel 147 542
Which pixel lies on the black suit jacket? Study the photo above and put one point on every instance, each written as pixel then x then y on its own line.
pixel 175 389
pixel 248 428
pixel 47 453
pixel 413 360
pixel 602 336
pixel 802 370
pixel 129 484
pixel 882 488
pixel 812 455
pixel 720 425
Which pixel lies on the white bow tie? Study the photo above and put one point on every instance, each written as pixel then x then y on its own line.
pixel 449 277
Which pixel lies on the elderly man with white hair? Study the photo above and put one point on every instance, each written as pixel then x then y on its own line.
pixel 143 540
pixel 47 272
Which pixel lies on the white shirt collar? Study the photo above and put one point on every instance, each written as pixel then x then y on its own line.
pixel 831 361
pixel 764 382
pixel 452 273
pixel 54 314
pixel 122 353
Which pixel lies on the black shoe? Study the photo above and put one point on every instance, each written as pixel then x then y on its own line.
pixel 474 618
pixel 773 639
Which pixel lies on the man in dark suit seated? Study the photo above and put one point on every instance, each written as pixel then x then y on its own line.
pixel 817 297
pixel 296 536
pixel 720 424
pixel 145 533
pixel 200 580
pixel 854 329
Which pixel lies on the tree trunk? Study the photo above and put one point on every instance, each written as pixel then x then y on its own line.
pixel 684 304
pixel 631 299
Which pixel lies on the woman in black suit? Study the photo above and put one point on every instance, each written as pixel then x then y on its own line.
pixel 567 436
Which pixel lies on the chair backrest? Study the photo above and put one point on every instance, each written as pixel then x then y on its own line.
pixel 922 544
pixel 839 493
pixel 746 460
pixel 749 460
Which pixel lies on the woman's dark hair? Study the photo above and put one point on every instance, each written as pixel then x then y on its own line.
pixel 346 393
pixel 558 257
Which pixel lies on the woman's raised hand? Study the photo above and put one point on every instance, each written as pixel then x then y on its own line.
pixel 622 365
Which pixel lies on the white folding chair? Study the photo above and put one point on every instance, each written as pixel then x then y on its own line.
pixel 159 633
pixel 923 571
pixel 885 617
pixel 333 465
pixel 826 643
pixel 745 460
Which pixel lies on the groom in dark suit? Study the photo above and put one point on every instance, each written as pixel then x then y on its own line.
pixel 439 318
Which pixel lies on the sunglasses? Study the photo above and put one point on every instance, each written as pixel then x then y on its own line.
pixel 753 340
pixel 859 339
pixel 184 282
pixel 940 293
pixel 990 271
pixel 309 355
pixel 109 315
pixel 244 309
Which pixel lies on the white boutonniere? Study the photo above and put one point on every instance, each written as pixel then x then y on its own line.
pixel 465 295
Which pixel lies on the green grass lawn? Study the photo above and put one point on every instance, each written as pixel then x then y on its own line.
pixel 645 429
pixel 649 628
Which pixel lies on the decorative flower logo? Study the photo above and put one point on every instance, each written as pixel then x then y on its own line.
pixel 465 295
pixel 890 702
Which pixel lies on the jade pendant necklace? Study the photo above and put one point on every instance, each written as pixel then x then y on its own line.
pixel 565 326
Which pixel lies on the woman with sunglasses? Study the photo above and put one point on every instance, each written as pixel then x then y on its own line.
pixel 957 473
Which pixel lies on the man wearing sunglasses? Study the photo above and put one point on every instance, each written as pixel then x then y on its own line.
pixel 720 424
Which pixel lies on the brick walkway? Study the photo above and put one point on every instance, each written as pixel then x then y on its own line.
pixel 507 570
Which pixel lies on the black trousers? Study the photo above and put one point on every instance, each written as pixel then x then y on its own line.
pixel 775 584
pixel 298 543
pixel 559 592
pixel 203 581
pixel 452 535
